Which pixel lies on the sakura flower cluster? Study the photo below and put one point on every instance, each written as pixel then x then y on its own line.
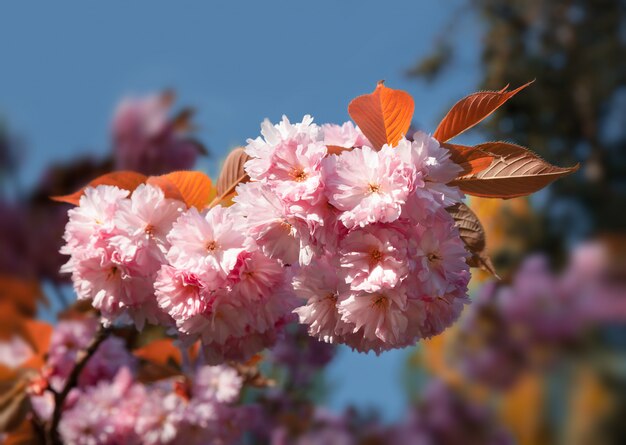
pixel 112 405
pixel 147 258
pixel 123 410
pixel 375 257
pixel 540 316
pixel 361 236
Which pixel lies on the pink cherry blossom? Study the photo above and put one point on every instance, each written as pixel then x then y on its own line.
pixel 380 315
pixel 284 136
pixel 93 221
pixel 346 135
pixel 269 222
pixel 433 169
pixel 145 220
pixel 14 351
pixel 367 186
pixel 207 241
pixel 321 292
pixel 373 258
pixel 219 383
pixel 182 294
pixel 147 140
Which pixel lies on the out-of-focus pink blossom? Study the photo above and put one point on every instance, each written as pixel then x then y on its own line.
pixel 147 140
pixel 14 351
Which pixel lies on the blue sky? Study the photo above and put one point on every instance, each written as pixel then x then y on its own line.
pixel 65 64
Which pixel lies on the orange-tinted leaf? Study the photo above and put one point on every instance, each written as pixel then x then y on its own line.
pixel 161 351
pixel 232 172
pixel 515 171
pixel 126 180
pixel 471 110
pixel 336 149
pixel 24 434
pixel 160 359
pixel 193 188
pixel 24 294
pixel 11 320
pixel 472 233
pixel 384 116
pixel 14 404
pixel 38 334
pixel 472 160
pixel 7 375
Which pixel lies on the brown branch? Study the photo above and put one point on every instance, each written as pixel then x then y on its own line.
pixel 82 359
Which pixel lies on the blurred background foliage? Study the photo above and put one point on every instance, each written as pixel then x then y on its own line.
pixel 575 112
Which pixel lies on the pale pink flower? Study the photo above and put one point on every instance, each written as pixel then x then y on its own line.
pixel 221 320
pixel 105 414
pixel 283 136
pixel 295 174
pixel 72 336
pixel 208 242
pixel 159 417
pixel 256 275
pixel 268 221
pixel 321 291
pixel 182 294
pixel 433 171
pixel 441 257
pixel 378 315
pixel 374 257
pixel 367 186
pixel 346 135
pixel 239 348
pixel 145 220
pixel 441 311
pixel 107 283
pixel 14 351
pixel 92 223
pixel 221 384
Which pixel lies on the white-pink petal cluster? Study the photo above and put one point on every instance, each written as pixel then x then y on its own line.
pixel 218 286
pixel 376 259
pixel 362 236
pixel 122 410
pixel 117 242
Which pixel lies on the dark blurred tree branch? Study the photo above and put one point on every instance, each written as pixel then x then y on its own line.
pixel 576 51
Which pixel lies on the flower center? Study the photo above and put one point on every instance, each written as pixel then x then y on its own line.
pixel 331 296
pixel 298 174
pixel 380 302
pixel 373 187
pixel 211 246
pixel 112 272
pixel 433 257
pixel 375 256
pixel 149 230
pixel 286 227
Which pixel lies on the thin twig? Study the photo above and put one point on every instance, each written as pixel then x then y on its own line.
pixel 82 359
